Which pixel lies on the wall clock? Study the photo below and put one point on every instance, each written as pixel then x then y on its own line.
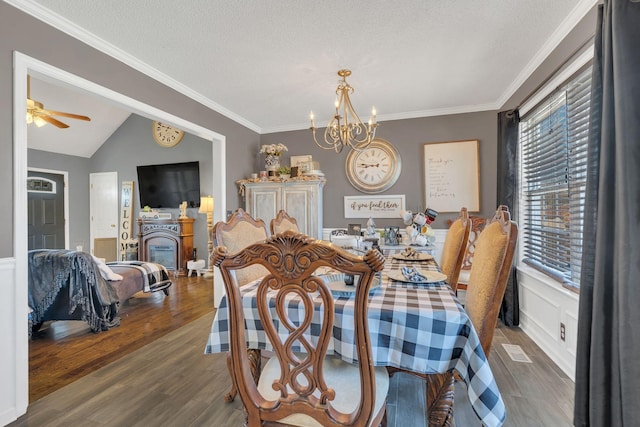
pixel 165 135
pixel 374 169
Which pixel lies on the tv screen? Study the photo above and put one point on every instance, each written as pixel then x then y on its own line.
pixel 167 186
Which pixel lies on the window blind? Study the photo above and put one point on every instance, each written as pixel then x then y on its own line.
pixel 553 160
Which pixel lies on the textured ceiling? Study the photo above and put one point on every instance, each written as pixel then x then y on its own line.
pixel 268 63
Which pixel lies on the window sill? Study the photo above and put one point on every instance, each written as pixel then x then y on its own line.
pixel 548 281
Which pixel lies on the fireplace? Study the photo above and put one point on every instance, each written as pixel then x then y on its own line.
pixel 163 254
pixel 167 242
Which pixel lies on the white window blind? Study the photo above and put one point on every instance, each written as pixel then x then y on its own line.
pixel 553 159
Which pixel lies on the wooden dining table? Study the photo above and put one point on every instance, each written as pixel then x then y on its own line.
pixel 418 328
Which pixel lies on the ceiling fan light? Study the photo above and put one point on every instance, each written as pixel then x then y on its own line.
pixel 29 118
pixel 39 121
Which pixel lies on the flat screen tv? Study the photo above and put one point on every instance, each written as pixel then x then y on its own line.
pixel 167 186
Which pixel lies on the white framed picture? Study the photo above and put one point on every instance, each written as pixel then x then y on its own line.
pixel 300 161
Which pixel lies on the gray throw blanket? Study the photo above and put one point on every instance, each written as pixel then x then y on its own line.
pixel 53 271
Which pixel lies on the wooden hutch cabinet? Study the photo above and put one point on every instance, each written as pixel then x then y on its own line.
pixel 166 241
pixel 301 199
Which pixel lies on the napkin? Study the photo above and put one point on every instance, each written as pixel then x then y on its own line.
pixel 413 275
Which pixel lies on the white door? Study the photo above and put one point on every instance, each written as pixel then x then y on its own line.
pixel 103 206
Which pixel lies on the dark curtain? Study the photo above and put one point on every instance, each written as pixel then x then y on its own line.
pixel 607 389
pixel 508 122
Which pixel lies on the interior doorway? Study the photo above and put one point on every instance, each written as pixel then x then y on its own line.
pixel 24 65
pixel 47 210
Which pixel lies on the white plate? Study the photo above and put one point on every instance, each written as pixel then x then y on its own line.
pixel 338 287
pixel 419 257
pixel 432 276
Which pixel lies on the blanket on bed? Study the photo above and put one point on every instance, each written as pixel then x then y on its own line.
pixel 155 276
pixel 52 271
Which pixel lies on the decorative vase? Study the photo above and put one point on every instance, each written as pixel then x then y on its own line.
pixel 272 162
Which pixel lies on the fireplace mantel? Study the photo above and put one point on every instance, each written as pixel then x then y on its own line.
pixel 175 235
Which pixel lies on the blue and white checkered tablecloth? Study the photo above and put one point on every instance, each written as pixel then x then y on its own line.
pixel 415 327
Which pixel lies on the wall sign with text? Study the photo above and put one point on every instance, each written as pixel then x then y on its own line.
pixel 384 206
pixel 126 207
pixel 452 176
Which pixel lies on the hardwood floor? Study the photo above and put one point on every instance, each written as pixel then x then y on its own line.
pixel 63 351
pixel 162 378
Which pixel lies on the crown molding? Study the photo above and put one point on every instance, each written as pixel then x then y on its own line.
pixel 568 24
pixel 61 23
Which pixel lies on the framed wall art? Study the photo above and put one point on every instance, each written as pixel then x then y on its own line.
pixel 452 176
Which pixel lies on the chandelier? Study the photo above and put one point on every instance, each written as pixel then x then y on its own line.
pixel 346 129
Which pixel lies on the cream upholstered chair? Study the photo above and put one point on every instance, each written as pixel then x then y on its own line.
pixel 454 248
pixel 239 231
pixel 312 388
pixel 283 222
pixel 490 273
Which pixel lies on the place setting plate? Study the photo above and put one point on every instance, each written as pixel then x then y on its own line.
pixel 419 256
pixel 340 288
pixel 430 276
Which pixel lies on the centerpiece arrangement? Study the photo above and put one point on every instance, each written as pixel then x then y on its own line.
pixel 273 153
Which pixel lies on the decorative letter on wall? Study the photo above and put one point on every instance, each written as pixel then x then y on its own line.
pixel 125 217
pixel 452 176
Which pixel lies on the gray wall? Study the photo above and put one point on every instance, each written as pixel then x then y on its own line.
pixel 78 169
pixel 409 137
pixel 133 145
pixel 67 53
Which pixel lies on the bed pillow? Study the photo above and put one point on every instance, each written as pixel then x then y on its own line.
pixel 104 269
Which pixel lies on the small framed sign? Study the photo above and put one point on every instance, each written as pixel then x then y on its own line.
pixel 382 206
pixel 300 160
pixel 355 229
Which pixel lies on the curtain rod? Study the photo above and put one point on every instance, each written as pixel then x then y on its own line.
pixel 571 57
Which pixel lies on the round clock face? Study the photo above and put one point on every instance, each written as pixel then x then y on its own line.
pixel 374 169
pixel 166 135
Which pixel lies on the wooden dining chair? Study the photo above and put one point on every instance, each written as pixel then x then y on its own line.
pixel 489 274
pixel 312 388
pixel 490 271
pixel 239 231
pixel 454 248
pixel 477 225
pixel 283 222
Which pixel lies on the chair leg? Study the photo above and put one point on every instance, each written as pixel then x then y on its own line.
pixel 231 394
pixel 440 394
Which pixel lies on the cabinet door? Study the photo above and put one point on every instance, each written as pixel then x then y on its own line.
pixel 263 202
pixel 303 203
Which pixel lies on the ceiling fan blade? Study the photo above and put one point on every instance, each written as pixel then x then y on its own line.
pixel 53 121
pixel 69 115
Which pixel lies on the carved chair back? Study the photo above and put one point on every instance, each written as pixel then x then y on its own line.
pixel 283 222
pixel 296 388
pixel 239 231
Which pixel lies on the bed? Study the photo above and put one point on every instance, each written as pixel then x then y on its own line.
pixel 69 285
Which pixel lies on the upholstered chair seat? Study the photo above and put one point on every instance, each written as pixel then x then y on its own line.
pixel 344 379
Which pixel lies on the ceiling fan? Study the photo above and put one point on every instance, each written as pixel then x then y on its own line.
pixel 36 113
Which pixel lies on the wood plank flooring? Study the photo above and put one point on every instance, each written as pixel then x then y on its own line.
pixel 170 382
